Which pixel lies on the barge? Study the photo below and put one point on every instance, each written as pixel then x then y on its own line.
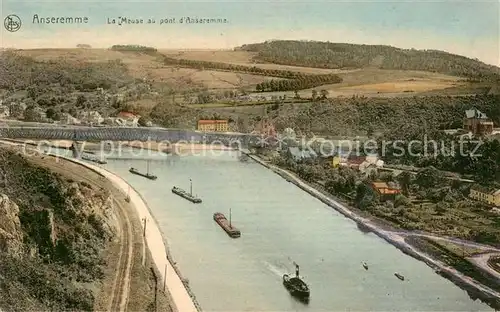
pixel 296 286
pixel 189 196
pixel 147 175
pixel 178 191
pixel 94 159
pixel 226 225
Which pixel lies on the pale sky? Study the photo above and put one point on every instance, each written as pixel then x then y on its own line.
pixel 469 28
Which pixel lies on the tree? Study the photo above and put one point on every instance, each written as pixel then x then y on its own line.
pixel 80 100
pixel 32 92
pixel 365 196
pixel 53 114
pixel 405 180
pixel 43 102
pixel 30 113
pixel 324 94
pixel 314 94
pixel 242 124
pixel 402 200
pixel 204 97
pixel 143 121
pixel 429 177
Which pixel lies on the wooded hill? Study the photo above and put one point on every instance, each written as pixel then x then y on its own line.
pixel 344 55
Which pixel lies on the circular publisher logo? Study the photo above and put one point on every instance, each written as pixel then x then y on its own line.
pixel 12 23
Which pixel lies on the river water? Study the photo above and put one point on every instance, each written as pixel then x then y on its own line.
pixel 280 224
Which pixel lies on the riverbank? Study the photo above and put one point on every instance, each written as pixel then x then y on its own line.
pixel 182 297
pixel 485 293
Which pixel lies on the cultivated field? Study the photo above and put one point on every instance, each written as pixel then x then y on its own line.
pixel 223 56
pixel 208 78
pixel 374 82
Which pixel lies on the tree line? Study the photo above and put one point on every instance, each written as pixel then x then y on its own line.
pixel 296 80
pixel 305 82
pixel 133 48
pixel 343 55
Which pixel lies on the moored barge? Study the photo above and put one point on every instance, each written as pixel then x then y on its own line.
pixel 94 159
pixel 226 225
pixel 146 175
pixel 178 191
pixel 189 196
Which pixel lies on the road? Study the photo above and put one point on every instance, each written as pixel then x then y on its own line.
pixel 118 292
pixel 482 261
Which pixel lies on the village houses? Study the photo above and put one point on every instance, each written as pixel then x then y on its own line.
pixel 213 125
pixel 123 119
pixel 488 195
pixel 477 123
pixel 385 191
pixel 4 110
pixel 90 117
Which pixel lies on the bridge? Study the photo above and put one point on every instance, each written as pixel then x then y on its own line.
pixel 127 134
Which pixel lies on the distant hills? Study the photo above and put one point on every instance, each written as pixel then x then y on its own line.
pixel 350 56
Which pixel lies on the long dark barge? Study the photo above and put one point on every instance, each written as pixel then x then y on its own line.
pixel 145 175
pixel 226 225
pixel 94 159
pixel 178 191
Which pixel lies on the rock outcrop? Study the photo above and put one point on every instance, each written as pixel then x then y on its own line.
pixel 53 238
pixel 11 236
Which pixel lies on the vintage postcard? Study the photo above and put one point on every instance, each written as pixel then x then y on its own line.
pixel 230 156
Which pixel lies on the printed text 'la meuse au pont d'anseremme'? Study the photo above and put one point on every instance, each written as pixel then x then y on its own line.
pixel 121 20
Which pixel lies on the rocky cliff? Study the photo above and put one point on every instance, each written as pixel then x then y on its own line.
pixel 53 234
pixel 11 236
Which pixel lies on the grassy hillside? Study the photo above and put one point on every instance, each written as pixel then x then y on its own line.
pixel 19 72
pixel 343 55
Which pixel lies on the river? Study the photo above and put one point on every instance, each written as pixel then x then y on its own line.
pixel 279 223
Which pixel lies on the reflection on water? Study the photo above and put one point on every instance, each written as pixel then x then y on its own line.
pixel 279 224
